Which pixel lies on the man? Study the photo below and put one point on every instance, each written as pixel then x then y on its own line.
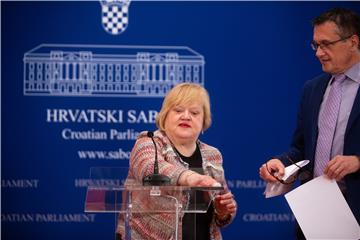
pixel 328 124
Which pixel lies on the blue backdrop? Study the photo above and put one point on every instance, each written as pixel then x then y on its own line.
pixel 256 56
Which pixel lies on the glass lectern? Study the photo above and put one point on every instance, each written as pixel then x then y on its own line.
pixel 156 209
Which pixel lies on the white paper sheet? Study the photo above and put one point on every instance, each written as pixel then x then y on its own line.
pixel 277 188
pixel 322 211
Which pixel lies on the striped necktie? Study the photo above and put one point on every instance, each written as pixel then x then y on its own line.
pixel 327 124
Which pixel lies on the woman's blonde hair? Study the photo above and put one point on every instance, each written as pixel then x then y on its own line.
pixel 185 93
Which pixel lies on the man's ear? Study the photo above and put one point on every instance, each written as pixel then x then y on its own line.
pixel 354 42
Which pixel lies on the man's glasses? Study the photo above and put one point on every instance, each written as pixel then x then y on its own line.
pixel 303 175
pixel 325 44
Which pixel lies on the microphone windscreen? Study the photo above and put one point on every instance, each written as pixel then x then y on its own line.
pixel 150 134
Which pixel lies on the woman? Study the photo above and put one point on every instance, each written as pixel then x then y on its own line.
pixel 185 113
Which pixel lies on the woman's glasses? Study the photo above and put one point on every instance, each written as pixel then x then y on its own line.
pixel 303 174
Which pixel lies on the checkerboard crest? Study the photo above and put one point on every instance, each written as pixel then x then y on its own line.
pixel 115 15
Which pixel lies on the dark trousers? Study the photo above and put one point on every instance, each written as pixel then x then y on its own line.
pixel 298 232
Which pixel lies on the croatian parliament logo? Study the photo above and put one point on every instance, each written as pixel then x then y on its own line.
pixel 115 15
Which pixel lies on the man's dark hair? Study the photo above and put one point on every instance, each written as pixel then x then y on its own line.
pixel 346 20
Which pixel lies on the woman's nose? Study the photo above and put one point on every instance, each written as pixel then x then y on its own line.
pixel 186 115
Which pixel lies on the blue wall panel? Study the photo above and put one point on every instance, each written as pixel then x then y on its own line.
pixel 256 57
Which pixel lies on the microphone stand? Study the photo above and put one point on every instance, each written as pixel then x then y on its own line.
pixel 155 179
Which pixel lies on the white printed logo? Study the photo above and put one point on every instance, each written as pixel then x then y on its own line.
pixel 115 15
pixel 109 70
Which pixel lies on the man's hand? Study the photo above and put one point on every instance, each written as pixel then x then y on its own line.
pixel 273 165
pixel 340 166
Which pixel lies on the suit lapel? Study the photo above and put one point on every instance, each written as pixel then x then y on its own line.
pixel 319 92
pixel 316 98
pixel 354 112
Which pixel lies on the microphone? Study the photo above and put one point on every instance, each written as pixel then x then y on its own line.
pixel 155 179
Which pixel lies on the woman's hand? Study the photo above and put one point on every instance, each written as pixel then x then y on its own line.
pixel 225 205
pixel 193 179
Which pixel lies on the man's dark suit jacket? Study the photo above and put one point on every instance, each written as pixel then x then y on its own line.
pixel 305 136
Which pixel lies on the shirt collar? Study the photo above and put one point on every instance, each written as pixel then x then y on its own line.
pixel 354 72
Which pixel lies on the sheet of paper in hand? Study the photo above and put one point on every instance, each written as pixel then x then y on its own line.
pixel 278 188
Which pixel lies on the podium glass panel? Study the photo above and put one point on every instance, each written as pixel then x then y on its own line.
pixel 109 191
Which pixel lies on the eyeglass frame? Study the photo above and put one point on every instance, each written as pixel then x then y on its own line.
pixel 325 45
pixel 294 177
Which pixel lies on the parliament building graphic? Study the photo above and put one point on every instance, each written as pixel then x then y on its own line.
pixel 109 70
